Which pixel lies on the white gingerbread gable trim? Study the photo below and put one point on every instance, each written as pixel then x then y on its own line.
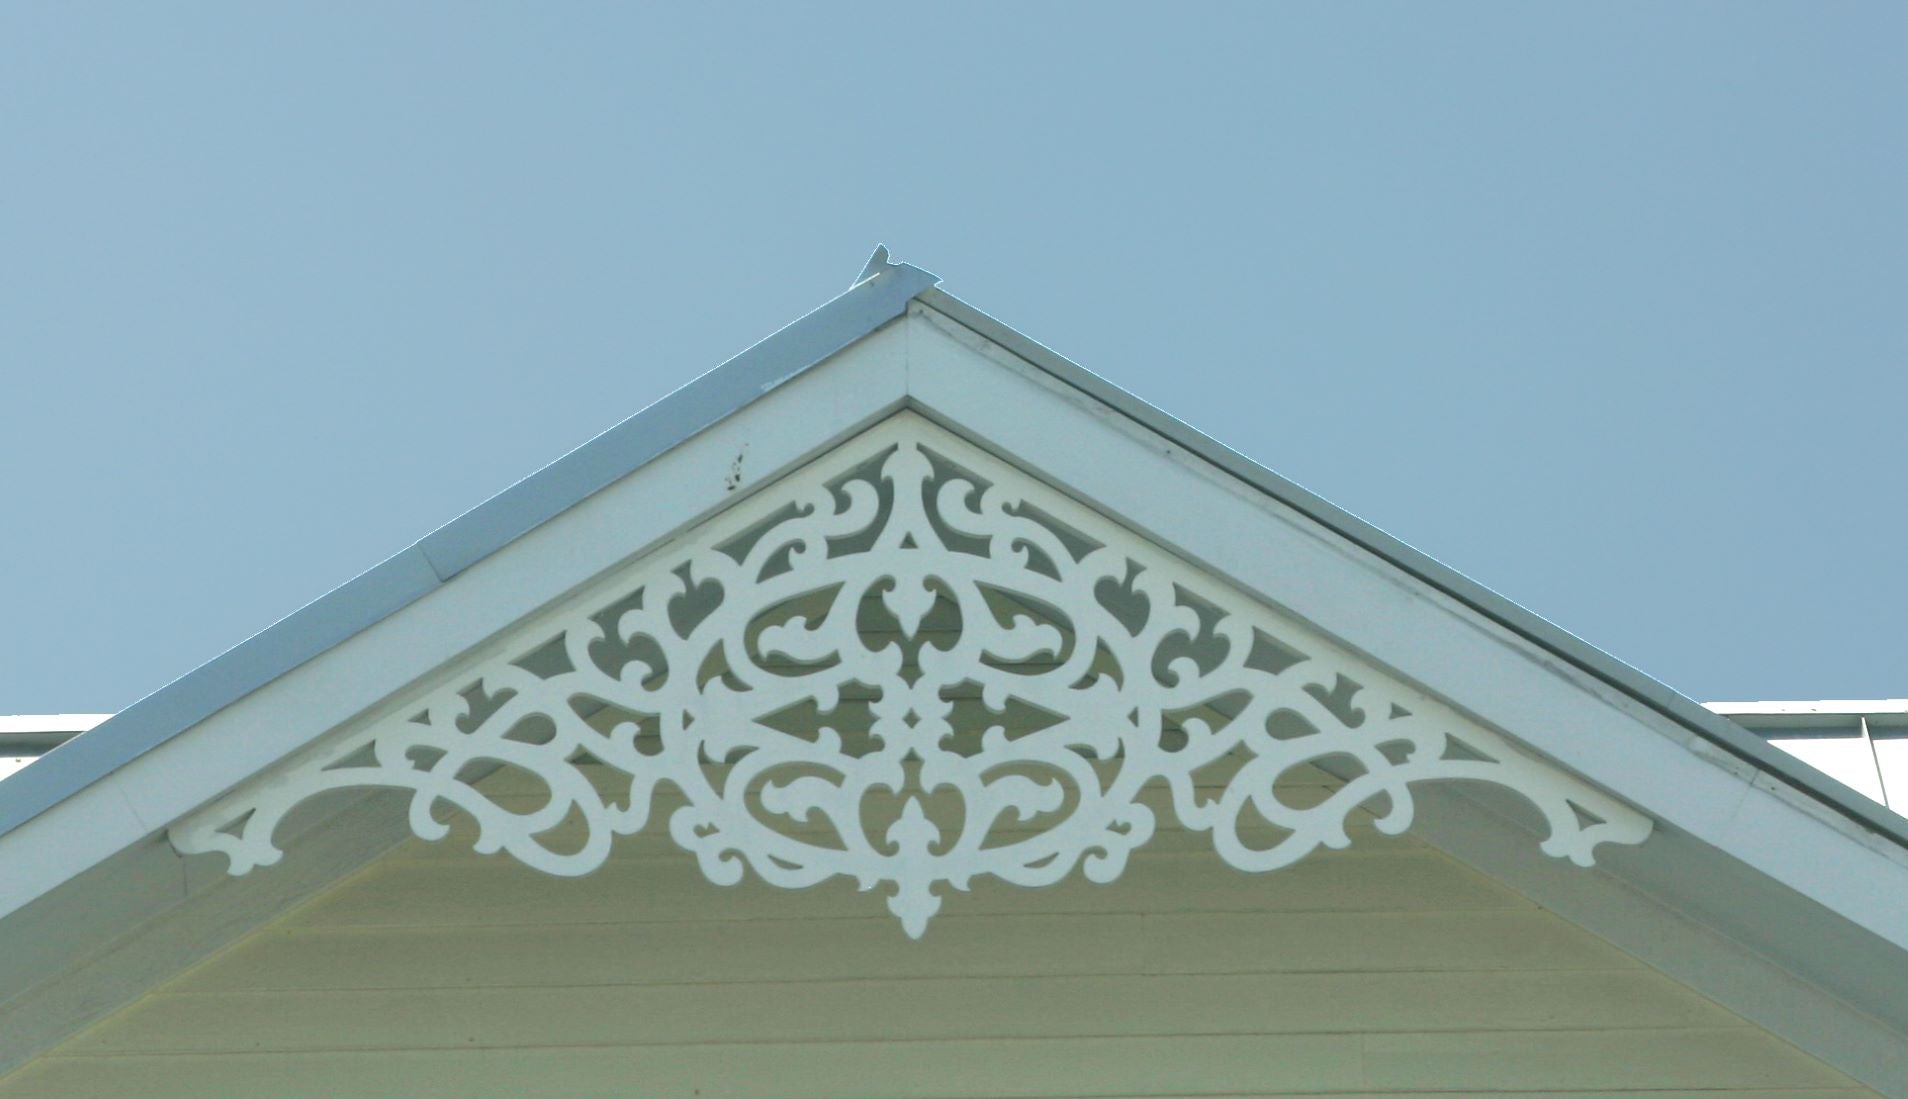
pixel 1777 904
pixel 909 616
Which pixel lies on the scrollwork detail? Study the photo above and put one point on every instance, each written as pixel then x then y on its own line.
pixel 909 616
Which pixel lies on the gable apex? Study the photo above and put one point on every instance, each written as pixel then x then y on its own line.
pixel 911 664
pixel 883 291
pixel 1747 847
pixel 879 296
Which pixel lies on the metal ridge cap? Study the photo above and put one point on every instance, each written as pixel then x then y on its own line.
pixel 1639 685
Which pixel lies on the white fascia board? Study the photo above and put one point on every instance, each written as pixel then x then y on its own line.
pixel 1168 491
pixel 1167 484
pixel 1559 709
pixel 1555 642
pixel 797 419
pixel 884 290
pixel 877 298
pixel 1815 912
pixel 1031 414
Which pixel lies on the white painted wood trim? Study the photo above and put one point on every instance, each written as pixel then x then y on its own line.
pixel 994 399
pixel 781 429
pixel 1559 711
pixel 1105 691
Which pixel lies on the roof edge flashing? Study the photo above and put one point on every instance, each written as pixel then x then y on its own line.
pixel 872 301
pixel 1708 725
pixel 408 575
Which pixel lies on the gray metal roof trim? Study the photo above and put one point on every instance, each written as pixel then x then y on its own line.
pixel 390 586
pixel 486 528
pixel 1638 684
pixel 873 301
pixel 203 691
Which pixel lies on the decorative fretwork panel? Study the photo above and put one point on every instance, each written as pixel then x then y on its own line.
pixel 910 616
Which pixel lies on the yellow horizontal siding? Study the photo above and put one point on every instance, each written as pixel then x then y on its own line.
pixel 1386 970
pixel 502 892
pixel 1162 1066
pixel 845 1010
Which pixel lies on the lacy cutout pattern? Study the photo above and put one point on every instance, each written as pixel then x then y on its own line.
pixel 910 616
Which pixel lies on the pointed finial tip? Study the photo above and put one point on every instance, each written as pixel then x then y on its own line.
pixel 877 263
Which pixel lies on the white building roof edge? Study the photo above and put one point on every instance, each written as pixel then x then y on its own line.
pixel 880 295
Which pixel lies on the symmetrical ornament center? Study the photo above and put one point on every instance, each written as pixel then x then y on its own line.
pixel 910 619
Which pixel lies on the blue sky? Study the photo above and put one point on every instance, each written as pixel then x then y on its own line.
pixel 1601 305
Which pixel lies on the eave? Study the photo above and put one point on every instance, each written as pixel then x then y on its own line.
pixel 1779 892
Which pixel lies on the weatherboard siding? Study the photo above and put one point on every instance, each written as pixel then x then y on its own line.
pixel 1388 969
